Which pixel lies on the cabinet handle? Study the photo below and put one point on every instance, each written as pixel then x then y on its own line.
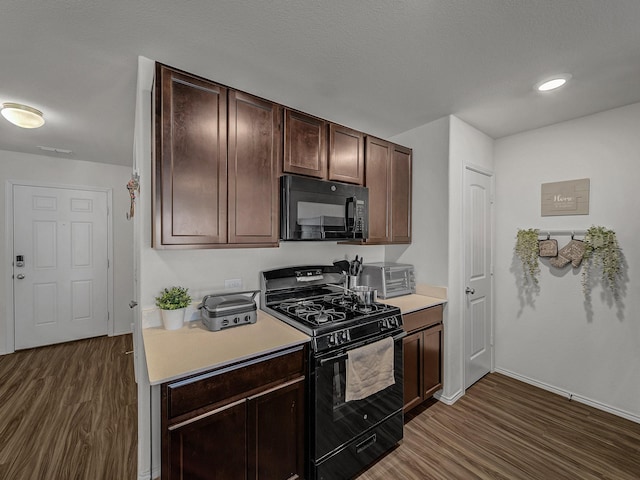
pixel 277 387
pixel 205 415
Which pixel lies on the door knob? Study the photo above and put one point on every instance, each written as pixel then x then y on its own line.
pixel 20 276
pixel 470 290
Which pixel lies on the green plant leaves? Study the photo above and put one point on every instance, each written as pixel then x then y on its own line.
pixel 173 298
pixel 601 253
pixel 527 250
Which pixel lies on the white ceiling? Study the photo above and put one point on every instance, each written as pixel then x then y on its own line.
pixel 381 66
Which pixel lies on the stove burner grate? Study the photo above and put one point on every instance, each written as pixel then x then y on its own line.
pixel 312 311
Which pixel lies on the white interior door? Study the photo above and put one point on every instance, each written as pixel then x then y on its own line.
pixel 478 275
pixel 61 286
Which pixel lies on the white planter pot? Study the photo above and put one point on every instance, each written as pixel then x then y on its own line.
pixel 173 319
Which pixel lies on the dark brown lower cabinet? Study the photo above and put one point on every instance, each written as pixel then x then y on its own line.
pixel 220 435
pixel 276 421
pixel 423 353
pixel 240 422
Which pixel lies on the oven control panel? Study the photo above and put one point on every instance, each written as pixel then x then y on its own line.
pixel 338 338
pixel 390 323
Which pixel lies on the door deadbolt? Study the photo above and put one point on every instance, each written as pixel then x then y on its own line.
pixel 20 276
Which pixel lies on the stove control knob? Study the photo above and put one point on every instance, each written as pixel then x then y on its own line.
pixel 332 340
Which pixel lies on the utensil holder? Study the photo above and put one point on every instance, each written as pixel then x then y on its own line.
pixel 352 281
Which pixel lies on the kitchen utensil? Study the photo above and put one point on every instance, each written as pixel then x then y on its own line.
pixel 343 265
pixel 364 295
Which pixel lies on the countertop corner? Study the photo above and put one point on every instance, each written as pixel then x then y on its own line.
pixel 192 349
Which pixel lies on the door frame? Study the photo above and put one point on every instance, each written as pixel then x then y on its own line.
pixel 492 178
pixel 10 308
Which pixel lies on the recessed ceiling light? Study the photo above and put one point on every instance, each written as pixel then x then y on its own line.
pixel 23 116
pixel 553 83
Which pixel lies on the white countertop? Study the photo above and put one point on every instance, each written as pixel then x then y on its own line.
pixel 172 354
pixel 426 296
pixel 412 303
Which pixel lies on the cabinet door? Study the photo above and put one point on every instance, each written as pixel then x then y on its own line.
pixel 254 152
pixel 210 446
pixel 276 427
pixel 433 343
pixel 401 195
pixel 346 155
pixel 190 178
pixel 413 365
pixel 378 180
pixel 305 144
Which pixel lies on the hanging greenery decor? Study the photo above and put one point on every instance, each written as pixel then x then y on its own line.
pixel 601 251
pixel 527 250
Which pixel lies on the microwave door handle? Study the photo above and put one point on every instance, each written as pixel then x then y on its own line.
pixel 350 200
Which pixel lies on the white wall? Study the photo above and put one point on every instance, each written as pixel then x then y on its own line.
pixel 553 340
pixel 467 147
pixel 430 209
pixel 47 170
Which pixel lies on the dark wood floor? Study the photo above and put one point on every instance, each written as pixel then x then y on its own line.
pixel 506 429
pixel 69 412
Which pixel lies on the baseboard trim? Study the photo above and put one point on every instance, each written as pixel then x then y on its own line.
pixel 571 396
pixel 448 400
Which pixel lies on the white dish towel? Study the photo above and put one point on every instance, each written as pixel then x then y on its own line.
pixel 369 369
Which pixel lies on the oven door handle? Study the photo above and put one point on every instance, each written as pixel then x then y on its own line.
pixel 337 358
pixel 343 356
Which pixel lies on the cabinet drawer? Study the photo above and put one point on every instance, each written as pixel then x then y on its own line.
pixel 245 378
pixel 422 318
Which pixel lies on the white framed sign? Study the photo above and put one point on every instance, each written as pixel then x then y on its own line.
pixel 565 198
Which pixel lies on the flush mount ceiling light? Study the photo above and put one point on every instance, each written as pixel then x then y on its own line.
pixel 553 83
pixel 22 115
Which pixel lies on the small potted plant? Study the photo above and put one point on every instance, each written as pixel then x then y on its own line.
pixel 173 302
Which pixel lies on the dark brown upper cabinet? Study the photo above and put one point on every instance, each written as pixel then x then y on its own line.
pixel 305 144
pixel 190 171
pixel 400 194
pixel 254 156
pixel 378 180
pixel 346 154
pixel 388 177
pixel 217 163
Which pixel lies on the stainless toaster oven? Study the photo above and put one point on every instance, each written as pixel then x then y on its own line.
pixel 390 279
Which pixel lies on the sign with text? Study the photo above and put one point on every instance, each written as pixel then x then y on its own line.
pixel 565 198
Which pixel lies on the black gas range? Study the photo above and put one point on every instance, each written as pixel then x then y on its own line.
pixel 345 436
pixel 313 300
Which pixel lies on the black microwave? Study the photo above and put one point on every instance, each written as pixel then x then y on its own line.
pixel 312 209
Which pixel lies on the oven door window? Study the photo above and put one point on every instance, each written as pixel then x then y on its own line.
pixel 338 421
